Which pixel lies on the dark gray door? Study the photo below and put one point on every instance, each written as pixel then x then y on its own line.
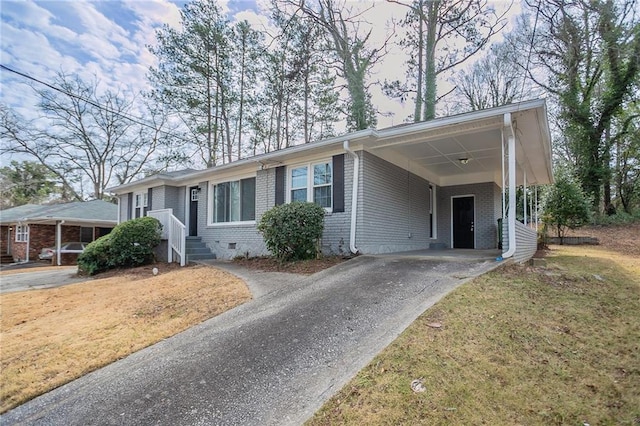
pixel 193 211
pixel 463 226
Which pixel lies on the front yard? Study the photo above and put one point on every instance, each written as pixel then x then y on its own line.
pixel 551 345
pixel 50 337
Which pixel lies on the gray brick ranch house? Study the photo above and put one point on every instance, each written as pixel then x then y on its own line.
pixel 442 183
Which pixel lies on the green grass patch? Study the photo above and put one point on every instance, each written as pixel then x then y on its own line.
pixel 552 345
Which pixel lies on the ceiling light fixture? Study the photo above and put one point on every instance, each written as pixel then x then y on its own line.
pixel 463 160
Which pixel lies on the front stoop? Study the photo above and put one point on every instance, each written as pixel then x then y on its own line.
pixel 195 249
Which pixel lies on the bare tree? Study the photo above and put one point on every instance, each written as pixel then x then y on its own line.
pixel 354 56
pixel 442 34
pixel 85 138
pixel 493 80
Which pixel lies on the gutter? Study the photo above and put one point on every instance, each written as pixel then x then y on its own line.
pixel 512 186
pixel 354 197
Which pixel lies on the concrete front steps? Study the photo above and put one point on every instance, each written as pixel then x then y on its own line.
pixel 195 249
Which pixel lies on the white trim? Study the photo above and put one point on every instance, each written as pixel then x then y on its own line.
pixel 310 186
pixel 145 203
pixel 474 217
pixel 21 231
pixel 247 223
pixel 210 199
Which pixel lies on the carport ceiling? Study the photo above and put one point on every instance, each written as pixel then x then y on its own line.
pixel 467 149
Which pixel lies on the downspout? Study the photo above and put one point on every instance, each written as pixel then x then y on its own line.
pixel 512 186
pixel 119 212
pixel 59 241
pixel 354 197
pixel 28 242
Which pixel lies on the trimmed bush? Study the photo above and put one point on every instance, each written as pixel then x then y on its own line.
pixel 132 242
pixel 129 244
pixel 96 257
pixel 292 231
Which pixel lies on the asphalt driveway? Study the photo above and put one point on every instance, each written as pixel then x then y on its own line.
pixel 32 279
pixel 274 360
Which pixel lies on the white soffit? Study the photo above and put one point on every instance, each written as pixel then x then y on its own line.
pixel 435 152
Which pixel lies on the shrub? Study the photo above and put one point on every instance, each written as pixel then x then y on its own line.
pixel 132 242
pixel 96 257
pixel 129 244
pixel 565 205
pixel 292 231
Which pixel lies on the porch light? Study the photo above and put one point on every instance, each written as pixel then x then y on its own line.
pixel 463 160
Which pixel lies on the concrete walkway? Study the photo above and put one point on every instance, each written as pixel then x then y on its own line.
pixel 272 361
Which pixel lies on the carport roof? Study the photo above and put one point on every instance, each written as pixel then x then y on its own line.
pixel 467 148
pixel 95 212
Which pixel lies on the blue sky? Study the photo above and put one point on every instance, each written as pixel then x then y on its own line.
pixel 106 39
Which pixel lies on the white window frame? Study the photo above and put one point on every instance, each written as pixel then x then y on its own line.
pixel 310 181
pixel 22 233
pixel 211 206
pixel 144 197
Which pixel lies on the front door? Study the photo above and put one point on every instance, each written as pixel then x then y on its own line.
pixel 463 222
pixel 193 211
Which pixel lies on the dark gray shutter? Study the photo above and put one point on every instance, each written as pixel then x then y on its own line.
pixel 130 206
pixel 280 185
pixel 338 183
pixel 149 196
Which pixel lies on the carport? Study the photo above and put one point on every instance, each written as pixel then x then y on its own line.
pixel 509 146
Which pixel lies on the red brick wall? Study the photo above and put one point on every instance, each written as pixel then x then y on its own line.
pixel 41 236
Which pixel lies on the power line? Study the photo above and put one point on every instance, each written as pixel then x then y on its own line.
pixel 136 120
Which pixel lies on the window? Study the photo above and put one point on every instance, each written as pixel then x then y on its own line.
pixel 234 201
pixel 86 234
pixel 22 233
pixel 140 204
pixel 312 187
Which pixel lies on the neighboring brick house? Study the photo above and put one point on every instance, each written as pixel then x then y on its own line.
pixel 26 230
pixel 442 183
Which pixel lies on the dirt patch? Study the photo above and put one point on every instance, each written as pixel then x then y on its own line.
pixel 305 267
pixel 622 239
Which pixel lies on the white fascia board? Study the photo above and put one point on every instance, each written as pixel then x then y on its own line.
pixel 497 112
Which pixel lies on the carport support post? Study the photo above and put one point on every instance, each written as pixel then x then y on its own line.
pixel 524 193
pixel 59 241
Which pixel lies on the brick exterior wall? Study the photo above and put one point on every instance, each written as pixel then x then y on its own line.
pixel 393 208
pixel 41 236
pixel 488 208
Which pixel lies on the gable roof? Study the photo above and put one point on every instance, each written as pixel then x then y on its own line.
pixel 96 212
pixel 431 149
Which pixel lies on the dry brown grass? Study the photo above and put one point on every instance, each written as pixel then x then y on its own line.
pixel 50 337
pixel 553 345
